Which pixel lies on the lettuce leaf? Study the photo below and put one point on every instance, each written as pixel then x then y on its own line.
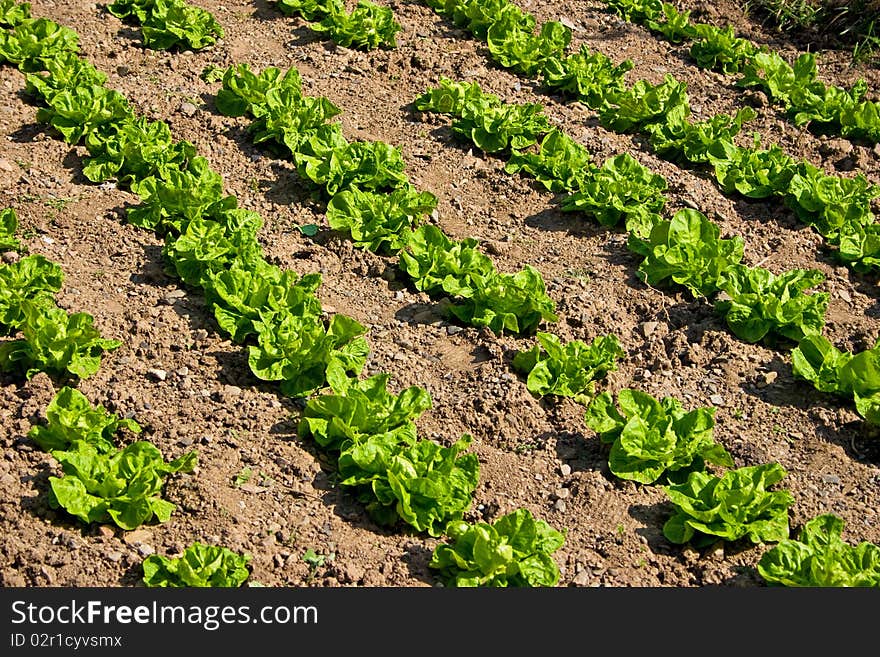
pixel 570 369
pixel 734 506
pixel 71 419
pixel 820 557
pixel 122 487
pixel 651 438
pixel 200 565
pixel 514 551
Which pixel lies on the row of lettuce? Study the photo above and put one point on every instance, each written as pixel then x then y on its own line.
pixel 211 244
pixel 166 24
pixel 481 554
pixel 795 87
pixel 657 441
pixel 651 440
pixel 838 208
pixel 100 482
pixel 685 251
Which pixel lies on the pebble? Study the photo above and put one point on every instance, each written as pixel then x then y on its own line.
pixel 10 257
pixel 231 391
pixel 560 505
pixel 113 555
pixel 582 578
pixel 146 550
pixel 137 536
pixel 831 479
pixel 157 374
pixel 187 109
pixel 6 165
pixel 648 328
pixel 716 400
pixel 565 469
pixel 106 531
pixel 452 329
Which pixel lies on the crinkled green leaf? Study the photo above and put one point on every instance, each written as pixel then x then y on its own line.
pixel 123 486
pixel 200 565
pixel 514 551
pixel 820 557
pixel 761 303
pixel 554 368
pixel 733 506
pixel 71 418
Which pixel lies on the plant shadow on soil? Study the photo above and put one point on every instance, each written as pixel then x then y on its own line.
pixel 349 509
pixel 802 396
pixel 654 516
pixel 27 133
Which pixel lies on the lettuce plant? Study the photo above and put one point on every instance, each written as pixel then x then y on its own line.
pixel 753 172
pixel 367 27
pixel 169 204
pixel 297 350
pixel 380 222
pixel 514 551
pixel 760 303
pixel 12 12
pixel 134 149
pixel 675 27
pixel 33 279
pixel 820 557
pixel 482 296
pixel 843 373
pixel 422 483
pixel 636 10
pixel 570 369
pixel 169 23
pixel 8 226
pixel 80 111
pixel 651 438
pixel 35 41
pixel 66 70
pixel 495 128
pixel 858 245
pixel 719 48
pixel 591 77
pixel 71 419
pixel 123 487
pixel 200 565
pixel 310 10
pixel 246 291
pixel 451 97
pixel 357 410
pixel 521 50
pixel 621 189
pixel 561 163
pixel 368 165
pixel 207 246
pixel 831 204
pixel 734 506
pixel 643 103
pixel 55 342
pixel 676 138
pixel 687 250
pixel 478 16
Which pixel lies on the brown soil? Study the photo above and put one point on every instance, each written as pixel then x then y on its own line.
pixel 190 388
